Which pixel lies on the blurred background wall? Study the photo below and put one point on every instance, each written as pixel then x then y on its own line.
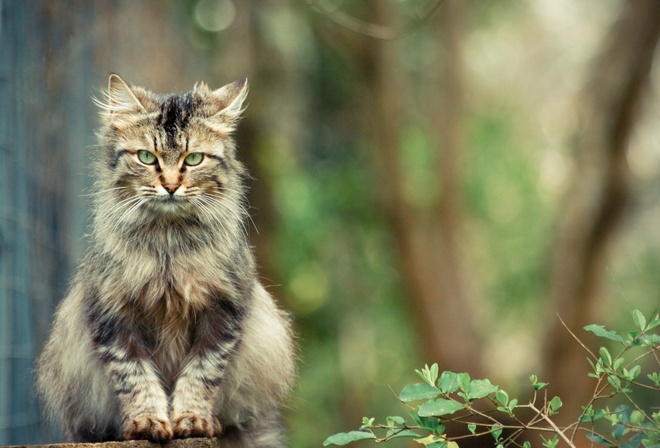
pixel 434 180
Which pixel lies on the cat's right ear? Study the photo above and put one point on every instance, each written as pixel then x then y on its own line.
pixel 120 96
pixel 229 100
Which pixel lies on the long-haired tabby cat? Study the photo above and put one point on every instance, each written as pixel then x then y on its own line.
pixel 166 331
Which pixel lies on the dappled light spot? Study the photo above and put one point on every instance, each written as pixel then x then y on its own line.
pixel 215 15
pixel 309 288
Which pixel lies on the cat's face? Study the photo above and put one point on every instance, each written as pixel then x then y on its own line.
pixel 170 155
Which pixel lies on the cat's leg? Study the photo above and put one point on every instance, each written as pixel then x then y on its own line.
pixel 216 335
pixel 132 375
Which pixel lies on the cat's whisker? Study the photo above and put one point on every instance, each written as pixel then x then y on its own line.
pixel 129 212
pixel 117 208
pixel 240 222
pixel 204 209
pixel 237 202
pixel 220 199
pixel 238 197
pixel 236 214
pixel 205 206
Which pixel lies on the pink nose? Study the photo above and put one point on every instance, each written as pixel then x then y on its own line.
pixel 171 187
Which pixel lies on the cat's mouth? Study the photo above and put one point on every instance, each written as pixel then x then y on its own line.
pixel 170 204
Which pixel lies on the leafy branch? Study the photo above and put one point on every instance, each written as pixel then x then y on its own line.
pixel 449 397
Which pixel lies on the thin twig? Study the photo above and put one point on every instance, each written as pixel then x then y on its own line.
pixel 549 421
pixel 372 29
pixel 576 338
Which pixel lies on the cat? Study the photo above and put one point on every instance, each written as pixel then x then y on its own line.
pixel 166 331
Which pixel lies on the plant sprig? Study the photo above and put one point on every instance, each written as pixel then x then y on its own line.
pixel 448 397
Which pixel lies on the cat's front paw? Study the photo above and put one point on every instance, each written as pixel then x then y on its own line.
pixel 189 424
pixel 148 427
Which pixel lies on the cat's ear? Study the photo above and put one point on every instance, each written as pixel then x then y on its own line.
pixel 229 100
pixel 120 96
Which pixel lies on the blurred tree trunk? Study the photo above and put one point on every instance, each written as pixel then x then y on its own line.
pixel 428 235
pixel 270 129
pixel 600 192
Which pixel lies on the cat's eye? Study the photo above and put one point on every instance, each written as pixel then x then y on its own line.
pixel 194 158
pixel 146 157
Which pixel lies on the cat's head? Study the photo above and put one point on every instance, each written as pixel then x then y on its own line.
pixel 169 155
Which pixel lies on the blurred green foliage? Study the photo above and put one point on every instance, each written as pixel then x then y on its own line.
pixel 333 254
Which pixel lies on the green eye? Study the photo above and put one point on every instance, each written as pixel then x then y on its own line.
pixel 146 157
pixel 193 159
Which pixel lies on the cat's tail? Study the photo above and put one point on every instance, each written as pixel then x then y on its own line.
pixel 262 432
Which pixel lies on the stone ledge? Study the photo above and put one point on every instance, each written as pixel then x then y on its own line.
pixel 177 443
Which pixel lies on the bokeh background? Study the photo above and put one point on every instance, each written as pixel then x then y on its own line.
pixel 434 180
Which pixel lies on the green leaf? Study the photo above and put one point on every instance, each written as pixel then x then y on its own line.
pixel 654 322
pixel 636 417
pixel 555 404
pixel 448 382
pixel 617 364
pixel 639 319
pixel 472 428
pixel 589 414
pixel 502 397
pixel 650 340
pixel 428 424
pixel 536 383
pixel 600 414
pixel 634 373
pixel 395 420
pixel 624 413
pixel 605 356
pixel 614 381
pixel 367 422
pixel 633 338
pixel 405 433
pixel 463 381
pixel 496 431
pixel 527 444
pixel 512 404
pixel 598 439
pixel 344 438
pixel 620 431
pixel 480 389
pixel 430 440
pixel 439 407
pixel 655 377
pixel 638 441
pixel 550 443
pixel 433 374
pixel 599 330
pixel 419 391
pixel 428 374
pixel 540 385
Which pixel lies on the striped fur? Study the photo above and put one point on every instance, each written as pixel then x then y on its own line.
pixel 166 331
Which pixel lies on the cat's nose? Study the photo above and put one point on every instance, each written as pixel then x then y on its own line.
pixel 171 187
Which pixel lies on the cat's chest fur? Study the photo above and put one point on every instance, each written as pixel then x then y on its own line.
pixel 161 271
pixel 162 290
pixel 168 331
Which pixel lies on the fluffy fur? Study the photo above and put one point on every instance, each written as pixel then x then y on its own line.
pixel 166 331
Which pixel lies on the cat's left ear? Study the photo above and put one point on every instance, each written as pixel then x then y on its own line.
pixel 229 100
